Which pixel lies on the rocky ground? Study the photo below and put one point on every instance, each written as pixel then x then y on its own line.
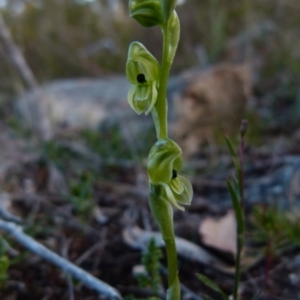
pixel 93 211
pixel 84 196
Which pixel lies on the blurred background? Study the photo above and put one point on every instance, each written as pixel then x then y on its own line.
pixel 84 38
pixel 66 39
pixel 84 187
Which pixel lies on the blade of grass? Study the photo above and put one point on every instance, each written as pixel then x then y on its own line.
pixel 233 154
pixel 205 280
pixel 236 206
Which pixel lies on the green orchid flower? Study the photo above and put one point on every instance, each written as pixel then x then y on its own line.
pixel 142 70
pixel 164 164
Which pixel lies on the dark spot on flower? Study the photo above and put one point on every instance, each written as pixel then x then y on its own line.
pixel 141 78
pixel 174 174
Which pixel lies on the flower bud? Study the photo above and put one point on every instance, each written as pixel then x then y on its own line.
pixel 147 12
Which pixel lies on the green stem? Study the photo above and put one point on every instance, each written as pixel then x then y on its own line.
pixel 161 104
pixel 163 212
pixel 172 259
pixel 240 225
pixel 240 242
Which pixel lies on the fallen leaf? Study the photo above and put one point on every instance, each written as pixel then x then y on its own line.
pixel 220 234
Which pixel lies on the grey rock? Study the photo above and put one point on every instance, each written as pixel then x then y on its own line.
pixel 200 103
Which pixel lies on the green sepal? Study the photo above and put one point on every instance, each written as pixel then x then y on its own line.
pixel 147 12
pixel 164 157
pixel 186 195
pixel 140 60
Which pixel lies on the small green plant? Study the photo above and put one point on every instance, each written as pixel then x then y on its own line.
pixel 236 190
pixel 4 263
pixel 148 94
pixel 81 194
pixel 114 145
pixel 150 259
pixel 273 231
pixel 15 124
pixel 58 154
pixel 279 226
pixel 151 279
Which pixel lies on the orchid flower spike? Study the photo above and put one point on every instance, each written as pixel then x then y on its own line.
pixel 142 70
pixel 164 164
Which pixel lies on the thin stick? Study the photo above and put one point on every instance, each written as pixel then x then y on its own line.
pixel 15 55
pixel 28 242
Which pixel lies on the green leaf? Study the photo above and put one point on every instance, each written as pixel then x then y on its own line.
pixel 230 147
pixel 205 280
pixel 233 154
pixel 237 206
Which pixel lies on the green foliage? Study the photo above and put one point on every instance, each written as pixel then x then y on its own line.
pixel 274 227
pixel 53 34
pixel 108 142
pixel 18 127
pixel 4 263
pixel 81 194
pixel 233 154
pixel 58 154
pixel 205 280
pixel 150 259
pixel 235 198
pixel 235 188
pixel 151 280
pixel 216 40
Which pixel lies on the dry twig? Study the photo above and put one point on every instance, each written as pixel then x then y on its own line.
pixel 19 62
pixel 28 242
